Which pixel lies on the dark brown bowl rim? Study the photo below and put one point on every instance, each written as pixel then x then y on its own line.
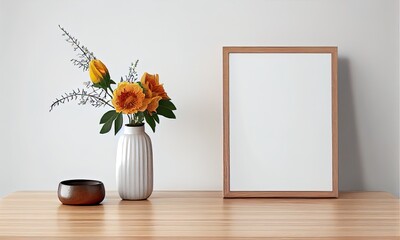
pixel 81 182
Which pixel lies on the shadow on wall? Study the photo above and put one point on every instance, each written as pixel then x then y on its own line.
pixel 350 159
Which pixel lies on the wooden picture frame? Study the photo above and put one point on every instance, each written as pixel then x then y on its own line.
pixel 255 81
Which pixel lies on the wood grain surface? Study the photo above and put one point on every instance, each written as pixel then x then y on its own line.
pixel 201 215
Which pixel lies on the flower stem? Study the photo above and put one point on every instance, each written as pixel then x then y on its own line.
pixel 105 89
pixel 109 87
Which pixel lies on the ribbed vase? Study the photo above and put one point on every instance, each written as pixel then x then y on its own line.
pixel 134 164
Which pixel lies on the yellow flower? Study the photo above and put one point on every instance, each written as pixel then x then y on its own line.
pixel 97 71
pixel 152 87
pixel 128 98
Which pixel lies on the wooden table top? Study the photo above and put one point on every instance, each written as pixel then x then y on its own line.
pixel 201 215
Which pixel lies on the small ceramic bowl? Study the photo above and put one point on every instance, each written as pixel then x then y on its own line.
pixel 81 192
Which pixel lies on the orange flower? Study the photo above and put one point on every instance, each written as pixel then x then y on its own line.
pixel 128 98
pixel 153 104
pixel 152 87
pixel 154 92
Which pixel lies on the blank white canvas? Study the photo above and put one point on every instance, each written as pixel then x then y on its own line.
pixel 280 122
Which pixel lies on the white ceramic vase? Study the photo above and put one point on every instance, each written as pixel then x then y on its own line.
pixel 134 164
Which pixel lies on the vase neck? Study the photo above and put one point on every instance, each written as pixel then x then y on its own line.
pixel 133 129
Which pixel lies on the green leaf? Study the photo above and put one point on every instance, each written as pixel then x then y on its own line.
pixel 102 84
pixel 167 104
pixel 112 82
pixel 165 112
pixel 155 116
pixel 106 80
pixel 107 77
pixel 107 116
pixel 107 126
pixel 150 121
pixel 118 123
pixel 97 85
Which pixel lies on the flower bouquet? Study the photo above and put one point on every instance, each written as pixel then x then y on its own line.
pixel 140 100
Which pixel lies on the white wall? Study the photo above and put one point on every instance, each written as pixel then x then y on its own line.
pixel 182 41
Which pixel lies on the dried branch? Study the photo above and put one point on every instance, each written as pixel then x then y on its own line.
pixel 132 75
pixel 95 97
pixel 84 57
